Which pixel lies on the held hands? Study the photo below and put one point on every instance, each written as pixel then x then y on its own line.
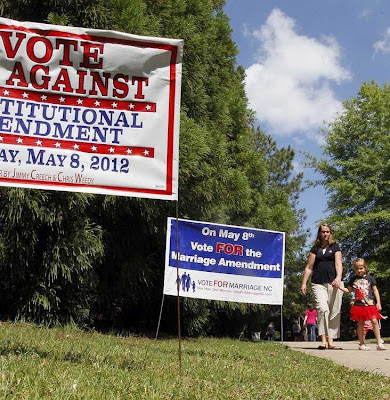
pixel 343 289
pixel 336 282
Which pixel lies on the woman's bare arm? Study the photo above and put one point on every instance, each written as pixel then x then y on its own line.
pixel 307 272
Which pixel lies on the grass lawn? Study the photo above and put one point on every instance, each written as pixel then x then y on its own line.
pixel 66 363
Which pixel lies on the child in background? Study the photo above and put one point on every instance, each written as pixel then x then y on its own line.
pixel 296 330
pixel 368 326
pixel 271 331
pixel 364 308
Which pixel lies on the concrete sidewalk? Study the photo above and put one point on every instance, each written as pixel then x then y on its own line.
pixel 374 361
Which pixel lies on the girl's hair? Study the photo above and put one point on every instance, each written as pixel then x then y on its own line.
pixel 310 305
pixel 357 261
pixel 318 240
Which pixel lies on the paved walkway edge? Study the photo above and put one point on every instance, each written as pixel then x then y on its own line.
pixel 374 361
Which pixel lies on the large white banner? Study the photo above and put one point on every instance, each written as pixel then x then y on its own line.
pixel 224 262
pixel 89 110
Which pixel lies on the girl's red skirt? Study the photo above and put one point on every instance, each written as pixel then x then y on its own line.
pixel 364 313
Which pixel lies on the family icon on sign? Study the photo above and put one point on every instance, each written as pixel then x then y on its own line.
pixel 185 283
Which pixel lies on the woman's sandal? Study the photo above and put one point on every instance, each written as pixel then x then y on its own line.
pixel 321 347
pixel 335 348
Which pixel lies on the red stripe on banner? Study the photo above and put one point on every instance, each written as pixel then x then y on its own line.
pixel 20 140
pixel 171 120
pixel 70 100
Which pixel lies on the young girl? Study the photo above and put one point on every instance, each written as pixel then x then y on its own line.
pixel 363 309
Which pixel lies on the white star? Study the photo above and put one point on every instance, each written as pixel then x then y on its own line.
pixel 25 95
pixel 43 97
pixel 148 107
pixel 76 146
pixel 94 148
pixel 39 143
pixel 19 140
pixel 111 150
pixel 6 92
pixel 97 103
pixel 1 138
pixel 80 101
pixel 57 144
pixel 114 105
pixel 146 152
pixel 62 99
pixel 129 151
pixel 131 106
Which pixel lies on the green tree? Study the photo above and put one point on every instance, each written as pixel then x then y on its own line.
pixel 48 249
pixel 88 13
pixel 356 174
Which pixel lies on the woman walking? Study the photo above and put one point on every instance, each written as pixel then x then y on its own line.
pixel 325 267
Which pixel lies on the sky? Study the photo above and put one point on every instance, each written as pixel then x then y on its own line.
pixel 302 59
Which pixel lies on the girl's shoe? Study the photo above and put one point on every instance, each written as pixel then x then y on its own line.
pixel 381 346
pixel 364 347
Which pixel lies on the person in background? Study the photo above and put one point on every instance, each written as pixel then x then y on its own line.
pixel 364 307
pixel 325 267
pixel 368 327
pixel 311 322
pixel 305 336
pixel 296 328
pixel 271 331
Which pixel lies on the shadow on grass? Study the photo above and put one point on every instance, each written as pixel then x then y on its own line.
pixel 20 349
pixel 215 355
pixel 10 348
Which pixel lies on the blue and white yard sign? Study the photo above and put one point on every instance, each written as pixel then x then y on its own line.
pixel 224 262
